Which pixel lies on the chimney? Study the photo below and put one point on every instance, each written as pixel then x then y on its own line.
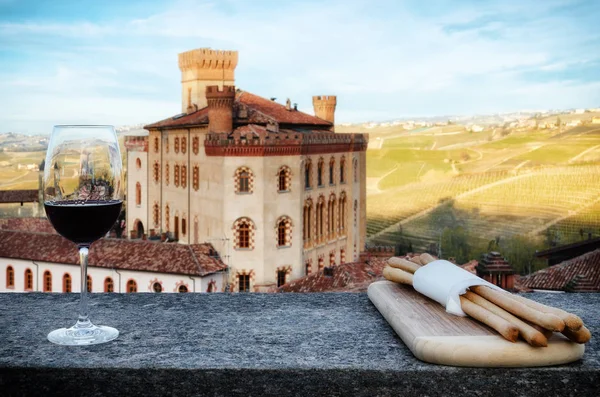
pixel 324 106
pixel 201 68
pixel 220 108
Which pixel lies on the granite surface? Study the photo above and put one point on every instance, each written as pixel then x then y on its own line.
pixel 254 344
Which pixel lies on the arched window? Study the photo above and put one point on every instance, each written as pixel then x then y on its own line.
pixel 307 173
pixel 156 171
pixel 131 286
pixel 321 263
pixel 331 171
pixel 355 170
pixel 331 259
pixel 167 217
pixel 243 282
pixel 156 214
pixel 244 233
pixel 212 286
pixel 342 256
pixel 343 170
pixel 195 145
pixel 244 180
pixel 176 144
pixel 342 213
pixel 67 282
pixel 10 277
pixel 184 176
pixel 156 141
pixel 167 174
pixel 109 286
pixel 89 284
pixel 281 274
pixel 320 218
pixel 183 226
pixel 176 176
pixel 138 194
pixel 157 287
pixel 167 145
pixel 196 178
pixel 307 221
pixel 355 211
pixel 182 288
pixel 283 179
pixel 138 163
pixel 331 230
pixel 284 232
pixel 320 171
pixel 183 145
pixel 47 281
pixel 28 280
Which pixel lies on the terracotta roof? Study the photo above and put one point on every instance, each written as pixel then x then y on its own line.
pixel 192 260
pixel 40 225
pixel 349 277
pixel 578 275
pixel 277 111
pixel 258 111
pixel 18 196
pixel 494 263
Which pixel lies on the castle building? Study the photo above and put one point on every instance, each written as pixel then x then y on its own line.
pixel 277 192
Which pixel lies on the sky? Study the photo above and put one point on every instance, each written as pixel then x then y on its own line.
pixel 115 62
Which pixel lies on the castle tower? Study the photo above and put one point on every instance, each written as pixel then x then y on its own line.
pixel 324 106
pixel 220 108
pixel 201 68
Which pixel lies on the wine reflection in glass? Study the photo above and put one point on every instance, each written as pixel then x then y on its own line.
pixel 83 194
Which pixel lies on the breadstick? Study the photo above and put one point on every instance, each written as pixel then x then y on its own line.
pixel 582 335
pixel 507 330
pixel 531 335
pixel 426 258
pixel 546 332
pixel 546 320
pixel 572 321
pixel 397 275
pixel 400 263
pixel 415 259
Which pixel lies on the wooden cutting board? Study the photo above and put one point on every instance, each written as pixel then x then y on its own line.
pixel 437 337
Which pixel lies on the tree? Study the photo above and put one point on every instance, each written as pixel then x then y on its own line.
pixel 520 252
pixel 455 244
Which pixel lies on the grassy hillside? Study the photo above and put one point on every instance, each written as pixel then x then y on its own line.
pixel 540 187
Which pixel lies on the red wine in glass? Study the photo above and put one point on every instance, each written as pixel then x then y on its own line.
pixel 83 222
pixel 83 195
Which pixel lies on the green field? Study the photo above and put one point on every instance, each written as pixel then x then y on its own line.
pixel 537 187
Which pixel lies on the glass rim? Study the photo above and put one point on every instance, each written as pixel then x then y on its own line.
pixel 84 126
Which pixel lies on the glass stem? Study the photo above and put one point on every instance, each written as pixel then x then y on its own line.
pixel 83 321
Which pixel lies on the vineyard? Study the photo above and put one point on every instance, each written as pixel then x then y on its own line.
pixel 543 186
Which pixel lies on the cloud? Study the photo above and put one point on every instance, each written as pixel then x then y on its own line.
pixel 383 60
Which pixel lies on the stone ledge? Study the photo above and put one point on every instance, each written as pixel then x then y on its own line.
pixel 253 344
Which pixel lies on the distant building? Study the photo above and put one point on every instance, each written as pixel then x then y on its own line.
pixel 595 120
pixel 579 274
pixel 562 253
pixel 46 262
pixel 496 270
pixel 278 192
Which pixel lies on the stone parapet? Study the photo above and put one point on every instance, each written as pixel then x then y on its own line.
pixel 319 344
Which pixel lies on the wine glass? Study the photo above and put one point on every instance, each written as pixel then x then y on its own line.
pixel 83 194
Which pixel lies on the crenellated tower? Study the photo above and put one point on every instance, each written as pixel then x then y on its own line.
pixel 201 68
pixel 324 106
pixel 220 108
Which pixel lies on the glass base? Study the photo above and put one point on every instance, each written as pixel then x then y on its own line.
pixel 77 335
